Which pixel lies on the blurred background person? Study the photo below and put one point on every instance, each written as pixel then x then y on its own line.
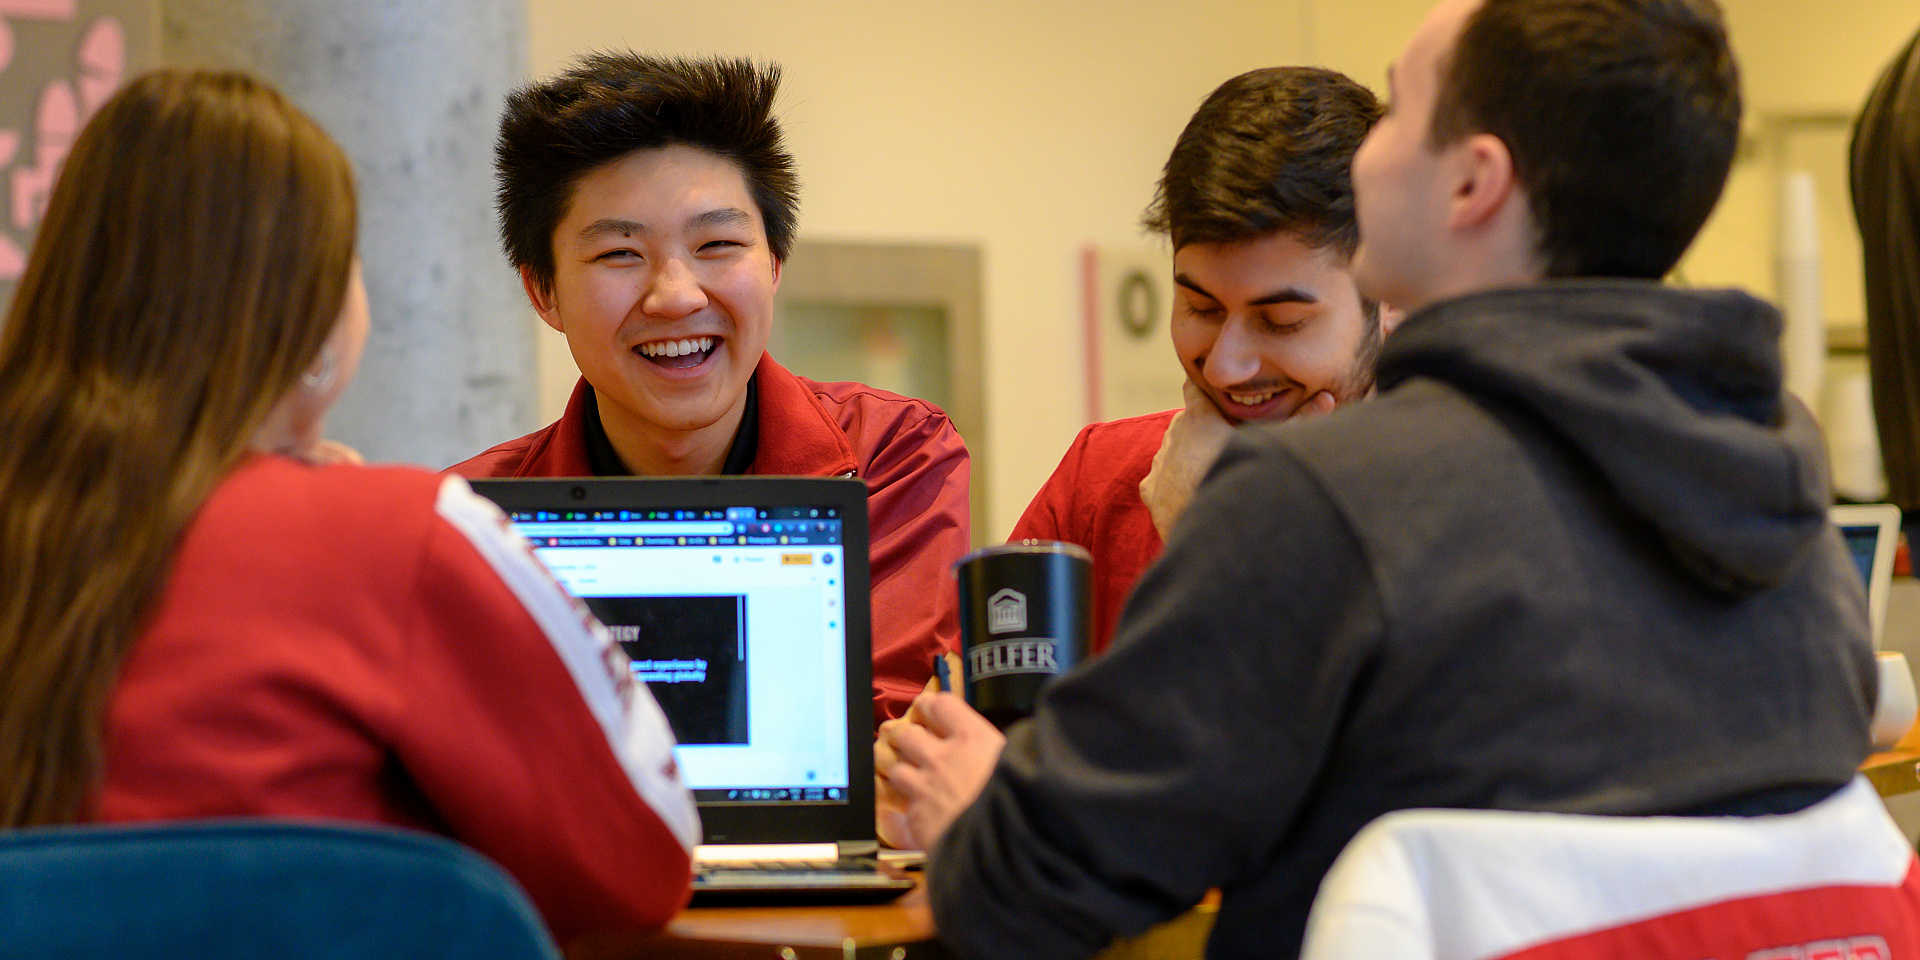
pixel 1886 202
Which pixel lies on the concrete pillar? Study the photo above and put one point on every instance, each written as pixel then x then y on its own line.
pixel 412 89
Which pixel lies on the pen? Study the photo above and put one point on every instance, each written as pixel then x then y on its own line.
pixel 940 673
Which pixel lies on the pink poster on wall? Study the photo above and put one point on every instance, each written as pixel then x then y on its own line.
pixel 59 61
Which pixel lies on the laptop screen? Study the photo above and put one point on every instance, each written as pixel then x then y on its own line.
pixel 1871 533
pixel 735 617
pixel 1863 541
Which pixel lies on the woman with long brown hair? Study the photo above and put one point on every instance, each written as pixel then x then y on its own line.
pixel 200 615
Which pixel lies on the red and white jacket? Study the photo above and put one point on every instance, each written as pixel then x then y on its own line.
pixel 375 644
pixel 1835 881
pixel 916 469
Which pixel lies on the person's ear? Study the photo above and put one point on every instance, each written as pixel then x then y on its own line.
pixel 777 264
pixel 1485 182
pixel 542 299
pixel 1390 317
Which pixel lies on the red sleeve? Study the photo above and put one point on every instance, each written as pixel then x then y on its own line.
pixel 917 506
pixel 1050 516
pixel 501 461
pixel 526 733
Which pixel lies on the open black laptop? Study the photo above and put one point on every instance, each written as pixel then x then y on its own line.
pixel 743 604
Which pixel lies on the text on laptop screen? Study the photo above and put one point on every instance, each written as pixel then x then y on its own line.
pixel 735 619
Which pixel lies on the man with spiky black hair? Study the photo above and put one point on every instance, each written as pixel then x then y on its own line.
pixel 648 204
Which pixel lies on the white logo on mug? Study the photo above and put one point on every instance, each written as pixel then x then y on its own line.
pixel 1007 611
pixel 995 657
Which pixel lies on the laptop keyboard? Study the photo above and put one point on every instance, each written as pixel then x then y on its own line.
pixel 770 882
pixel 846 872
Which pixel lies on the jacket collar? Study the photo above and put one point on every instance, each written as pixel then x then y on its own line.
pixel 798 436
pixel 561 449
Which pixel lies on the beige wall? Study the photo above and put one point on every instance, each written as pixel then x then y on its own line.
pixel 1807 70
pixel 1360 37
pixel 1031 127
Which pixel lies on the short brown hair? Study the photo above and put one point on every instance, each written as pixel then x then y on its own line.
pixel 1621 115
pixel 1268 150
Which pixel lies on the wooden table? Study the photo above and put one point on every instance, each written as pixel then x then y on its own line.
pixel 1896 771
pixel 902 930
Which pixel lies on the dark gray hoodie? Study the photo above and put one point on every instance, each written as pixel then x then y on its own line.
pixel 1574 557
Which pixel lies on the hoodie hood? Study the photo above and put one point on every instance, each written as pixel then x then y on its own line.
pixel 1675 396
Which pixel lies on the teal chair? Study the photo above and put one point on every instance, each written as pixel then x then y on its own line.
pixel 255 889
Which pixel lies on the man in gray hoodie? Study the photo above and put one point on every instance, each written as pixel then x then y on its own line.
pixel 1574 557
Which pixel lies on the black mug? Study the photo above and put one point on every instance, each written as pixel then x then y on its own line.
pixel 1025 616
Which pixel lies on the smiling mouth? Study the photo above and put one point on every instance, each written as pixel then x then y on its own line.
pixel 678 354
pixel 1250 399
pixel 1241 406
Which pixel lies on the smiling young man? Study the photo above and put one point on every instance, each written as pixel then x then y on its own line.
pixel 648 204
pixel 1257 202
pixel 1572 557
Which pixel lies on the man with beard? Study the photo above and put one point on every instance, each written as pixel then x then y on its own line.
pixel 1258 204
pixel 1257 201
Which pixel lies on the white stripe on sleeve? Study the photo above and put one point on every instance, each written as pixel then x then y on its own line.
pixel 1469 884
pixel 628 715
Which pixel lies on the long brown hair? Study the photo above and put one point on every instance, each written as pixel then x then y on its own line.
pixel 193 260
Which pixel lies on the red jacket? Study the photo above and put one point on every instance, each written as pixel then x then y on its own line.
pixel 1834 881
pixel 375 645
pixel 1093 499
pixel 916 470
